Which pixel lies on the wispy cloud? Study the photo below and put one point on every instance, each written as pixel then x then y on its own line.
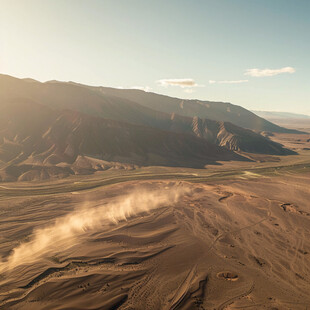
pixel 179 82
pixel 145 88
pixel 228 82
pixel 268 72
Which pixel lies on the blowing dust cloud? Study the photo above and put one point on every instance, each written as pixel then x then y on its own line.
pixel 62 234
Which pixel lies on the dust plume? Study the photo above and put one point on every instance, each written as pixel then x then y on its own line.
pixel 63 233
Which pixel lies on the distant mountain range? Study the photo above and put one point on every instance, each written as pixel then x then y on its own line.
pixel 280 115
pixel 218 111
pixel 56 129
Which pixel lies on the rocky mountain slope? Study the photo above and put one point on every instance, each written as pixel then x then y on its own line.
pixel 58 129
pixel 218 111
pixel 103 102
pixel 37 142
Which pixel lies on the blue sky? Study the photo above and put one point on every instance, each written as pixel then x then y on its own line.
pixel 189 49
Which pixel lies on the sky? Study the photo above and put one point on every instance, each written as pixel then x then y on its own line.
pixel 250 53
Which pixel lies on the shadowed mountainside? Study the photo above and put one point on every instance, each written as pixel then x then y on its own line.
pixel 102 102
pixel 218 111
pixel 60 143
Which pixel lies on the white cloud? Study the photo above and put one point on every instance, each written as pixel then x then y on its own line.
pixel 189 90
pixel 228 82
pixel 268 72
pixel 178 82
pixel 145 88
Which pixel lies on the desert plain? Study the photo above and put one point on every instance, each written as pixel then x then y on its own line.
pixel 231 236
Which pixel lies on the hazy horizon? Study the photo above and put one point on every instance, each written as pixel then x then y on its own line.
pixel 249 54
pixel 151 91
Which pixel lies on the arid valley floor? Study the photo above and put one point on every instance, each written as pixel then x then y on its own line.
pixel 233 236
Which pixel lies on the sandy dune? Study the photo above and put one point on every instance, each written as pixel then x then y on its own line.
pixel 231 245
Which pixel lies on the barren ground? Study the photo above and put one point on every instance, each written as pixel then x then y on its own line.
pixel 228 237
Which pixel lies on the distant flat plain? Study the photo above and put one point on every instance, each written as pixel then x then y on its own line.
pixel 238 237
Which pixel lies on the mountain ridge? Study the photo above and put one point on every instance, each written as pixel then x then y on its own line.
pixel 218 111
pixel 281 115
pixel 56 129
pixel 57 142
pixel 72 96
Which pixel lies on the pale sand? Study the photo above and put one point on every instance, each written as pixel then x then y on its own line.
pixel 234 244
